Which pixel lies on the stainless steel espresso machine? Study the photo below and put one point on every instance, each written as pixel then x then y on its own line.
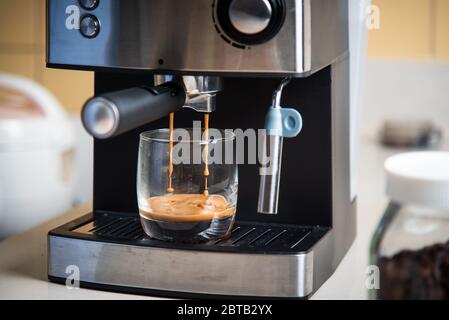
pixel 152 57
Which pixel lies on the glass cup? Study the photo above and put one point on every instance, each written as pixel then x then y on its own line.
pixel 187 187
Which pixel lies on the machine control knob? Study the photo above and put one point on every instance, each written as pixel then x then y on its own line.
pixel 89 26
pixel 250 16
pixel 89 4
pixel 250 22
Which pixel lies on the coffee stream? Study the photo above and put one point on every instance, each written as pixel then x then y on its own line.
pixel 206 173
pixel 206 154
pixel 170 188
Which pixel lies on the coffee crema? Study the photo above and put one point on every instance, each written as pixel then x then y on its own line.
pixel 188 208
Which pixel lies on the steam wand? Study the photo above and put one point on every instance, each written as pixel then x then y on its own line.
pixel 280 123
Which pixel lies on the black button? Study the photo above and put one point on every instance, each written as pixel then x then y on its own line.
pixel 89 4
pixel 89 26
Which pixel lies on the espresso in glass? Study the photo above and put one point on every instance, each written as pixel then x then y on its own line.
pixel 183 196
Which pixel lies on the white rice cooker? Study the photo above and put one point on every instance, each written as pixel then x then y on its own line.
pixel 36 156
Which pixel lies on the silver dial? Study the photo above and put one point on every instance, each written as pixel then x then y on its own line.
pixel 250 16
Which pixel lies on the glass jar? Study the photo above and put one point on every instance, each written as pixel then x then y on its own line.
pixel 186 186
pixel 410 246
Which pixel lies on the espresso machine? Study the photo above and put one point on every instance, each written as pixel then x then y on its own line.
pixel 153 57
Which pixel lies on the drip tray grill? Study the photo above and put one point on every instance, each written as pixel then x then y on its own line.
pixel 246 237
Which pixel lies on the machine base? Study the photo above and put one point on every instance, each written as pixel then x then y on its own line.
pixel 111 252
pixel 165 294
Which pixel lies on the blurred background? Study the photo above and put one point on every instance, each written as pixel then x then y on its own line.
pixel 407 77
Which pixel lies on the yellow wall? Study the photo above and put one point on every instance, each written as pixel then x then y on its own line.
pixel 22 51
pixel 411 29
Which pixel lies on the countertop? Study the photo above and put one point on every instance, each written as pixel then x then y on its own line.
pixel 23 271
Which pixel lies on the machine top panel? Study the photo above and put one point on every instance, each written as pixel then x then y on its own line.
pixel 295 37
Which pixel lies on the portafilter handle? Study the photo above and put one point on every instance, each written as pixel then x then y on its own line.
pixel 111 114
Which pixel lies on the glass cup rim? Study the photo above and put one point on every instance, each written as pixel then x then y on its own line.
pixel 147 136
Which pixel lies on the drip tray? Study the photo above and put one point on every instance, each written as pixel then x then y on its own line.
pixel 246 237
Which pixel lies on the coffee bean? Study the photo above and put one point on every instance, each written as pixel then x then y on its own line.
pixel 422 274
